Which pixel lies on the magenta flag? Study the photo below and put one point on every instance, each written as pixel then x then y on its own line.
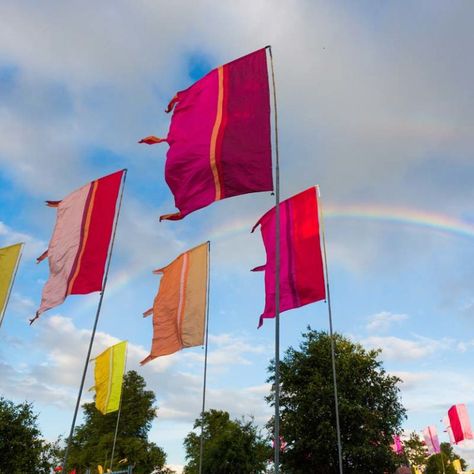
pixel 459 423
pixel 431 440
pixel 219 136
pixel 397 446
pixel 301 263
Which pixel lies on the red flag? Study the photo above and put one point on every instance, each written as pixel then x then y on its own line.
pixel 301 263
pixel 219 136
pixel 459 423
pixel 80 242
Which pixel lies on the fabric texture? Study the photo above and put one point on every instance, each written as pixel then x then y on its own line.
pixel 108 375
pixel 9 258
pixel 431 439
pixel 79 246
pixel 301 263
pixel 459 423
pixel 219 136
pixel 179 308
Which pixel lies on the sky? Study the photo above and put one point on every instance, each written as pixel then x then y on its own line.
pixel 375 104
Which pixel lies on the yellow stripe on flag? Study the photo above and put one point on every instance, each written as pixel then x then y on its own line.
pixel 9 258
pixel 109 370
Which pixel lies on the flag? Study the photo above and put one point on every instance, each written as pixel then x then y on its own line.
pixel 179 309
pixel 9 259
pixel 80 242
pixel 459 423
pixel 219 136
pixel 431 439
pixel 457 465
pixel 301 263
pixel 397 446
pixel 108 375
pixel 449 430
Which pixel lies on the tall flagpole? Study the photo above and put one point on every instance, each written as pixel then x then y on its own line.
pixel 4 310
pixel 276 435
pixel 119 410
pixel 73 424
pixel 331 335
pixel 201 446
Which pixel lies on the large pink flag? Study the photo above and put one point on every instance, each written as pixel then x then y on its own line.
pixel 301 263
pixel 459 423
pixel 219 136
pixel 431 440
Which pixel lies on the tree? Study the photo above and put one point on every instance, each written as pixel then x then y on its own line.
pixel 22 448
pixel 92 441
pixel 447 456
pixel 370 410
pixel 230 446
pixel 415 450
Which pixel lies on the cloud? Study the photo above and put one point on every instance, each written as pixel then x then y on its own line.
pixel 33 247
pixel 382 322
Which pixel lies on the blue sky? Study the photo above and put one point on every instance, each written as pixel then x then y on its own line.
pixel 375 106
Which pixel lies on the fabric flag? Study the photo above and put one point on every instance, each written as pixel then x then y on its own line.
pixel 301 263
pixel 219 136
pixel 80 242
pixel 459 423
pixel 431 440
pixel 9 259
pixel 108 376
pixel 449 430
pixel 179 309
pixel 397 446
pixel 457 465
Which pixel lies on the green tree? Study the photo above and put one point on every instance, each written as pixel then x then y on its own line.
pixel 415 450
pixel 369 408
pixel 92 441
pixel 22 448
pixel 447 456
pixel 230 446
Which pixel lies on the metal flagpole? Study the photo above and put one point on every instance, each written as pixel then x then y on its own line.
pixel 73 424
pixel 119 410
pixel 201 447
pixel 277 277
pixel 11 283
pixel 331 335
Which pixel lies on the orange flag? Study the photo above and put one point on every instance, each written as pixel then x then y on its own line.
pixel 179 309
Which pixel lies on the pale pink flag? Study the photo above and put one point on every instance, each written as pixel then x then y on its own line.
pixel 459 423
pixel 431 440
pixel 449 430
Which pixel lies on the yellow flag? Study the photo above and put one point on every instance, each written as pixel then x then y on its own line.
pixel 457 465
pixel 100 469
pixel 109 369
pixel 9 258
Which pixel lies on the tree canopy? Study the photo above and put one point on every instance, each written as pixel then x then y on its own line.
pixel 230 446
pixel 92 441
pixel 369 407
pixel 22 448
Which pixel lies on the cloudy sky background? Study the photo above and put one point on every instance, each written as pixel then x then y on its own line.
pixel 375 106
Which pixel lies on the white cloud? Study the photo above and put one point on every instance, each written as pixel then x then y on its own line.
pixel 383 321
pixel 33 247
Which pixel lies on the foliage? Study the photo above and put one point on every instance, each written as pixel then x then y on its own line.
pixel 415 450
pixel 22 449
pixel 92 441
pixel 230 446
pixel 447 455
pixel 369 408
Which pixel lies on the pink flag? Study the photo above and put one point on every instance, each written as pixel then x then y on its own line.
pixel 431 440
pixel 397 446
pixel 459 423
pixel 301 263
pixel 449 430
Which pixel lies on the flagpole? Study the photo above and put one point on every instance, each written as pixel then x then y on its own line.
pixel 201 446
pixel 331 335
pixel 4 310
pixel 78 401
pixel 276 434
pixel 119 410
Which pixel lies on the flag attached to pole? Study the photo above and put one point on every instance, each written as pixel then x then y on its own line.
pixel 9 260
pixel 431 439
pixel 179 309
pixel 459 423
pixel 449 430
pixel 79 246
pixel 219 136
pixel 301 263
pixel 108 375
pixel 397 446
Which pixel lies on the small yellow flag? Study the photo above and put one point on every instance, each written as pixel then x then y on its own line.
pixel 9 258
pixel 109 370
pixel 100 469
pixel 457 465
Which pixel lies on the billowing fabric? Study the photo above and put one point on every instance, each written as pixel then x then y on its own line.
pixel 219 136
pixel 301 264
pixel 80 242
pixel 108 375
pixel 397 446
pixel 448 429
pixel 431 440
pixel 9 258
pixel 459 423
pixel 179 308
